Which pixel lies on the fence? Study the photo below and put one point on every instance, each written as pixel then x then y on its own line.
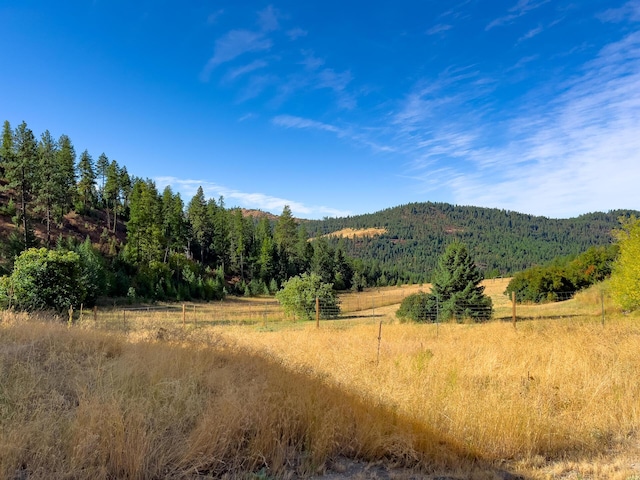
pixel 367 306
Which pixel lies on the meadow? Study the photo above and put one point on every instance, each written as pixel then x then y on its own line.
pixel 235 390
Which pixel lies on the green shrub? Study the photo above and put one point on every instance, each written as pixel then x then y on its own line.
pixel 298 297
pixel 45 279
pixel 418 307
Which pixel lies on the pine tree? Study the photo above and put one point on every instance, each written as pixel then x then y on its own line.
pixel 456 286
pixel 111 191
pixel 240 236
pixel 20 172
pixel 48 179
pixel 102 166
pixel 199 220
pixel 125 190
pixel 285 231
pixel 87 182
pixel 66 164
pixel 7 148
pixel 266 258
pixel 144 231
pixel 220 242
pixel 173 222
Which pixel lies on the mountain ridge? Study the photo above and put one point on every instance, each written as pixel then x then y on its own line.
pixel 502 241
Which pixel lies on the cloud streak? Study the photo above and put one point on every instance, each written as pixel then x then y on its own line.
pixel 234 44
pixel 253 200
pixel 518 10
pixel 564 155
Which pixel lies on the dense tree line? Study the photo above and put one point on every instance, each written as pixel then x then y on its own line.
pixel 156 246
pixel 561 278
pixel 503 242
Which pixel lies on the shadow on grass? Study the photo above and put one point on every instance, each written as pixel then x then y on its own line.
pixel 165 410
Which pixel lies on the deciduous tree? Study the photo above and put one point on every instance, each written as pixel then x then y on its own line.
pixel 625 279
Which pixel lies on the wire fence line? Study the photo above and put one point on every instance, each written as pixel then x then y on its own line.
pixel 372 305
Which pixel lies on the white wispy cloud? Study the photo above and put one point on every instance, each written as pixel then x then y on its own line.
pixel 439 28
pixel 268 19
pixel 518 10
pixel 531 33
pixel 188 188
pixel 310 61
pixel 630 11
pixel 241 41
pixel 234 44
pixel 359 138
pixel 247 117
pixel 338 83
pixel 559 156
pixel 290 121
pixel 244 69
pixel 213 17
pixel 296 33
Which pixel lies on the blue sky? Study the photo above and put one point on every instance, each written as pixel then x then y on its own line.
pixel 341 108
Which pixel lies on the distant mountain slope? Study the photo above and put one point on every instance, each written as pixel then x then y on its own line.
pixel 502 242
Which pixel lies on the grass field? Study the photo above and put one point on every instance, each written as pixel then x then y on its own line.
pixel 146 396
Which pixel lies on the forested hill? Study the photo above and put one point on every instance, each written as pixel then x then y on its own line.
pixel 502 242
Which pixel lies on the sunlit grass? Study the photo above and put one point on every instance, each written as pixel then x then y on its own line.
pixel 146 396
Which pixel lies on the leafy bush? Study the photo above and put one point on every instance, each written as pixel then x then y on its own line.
pixel 298 297
pixel 45 279
pixel 418 307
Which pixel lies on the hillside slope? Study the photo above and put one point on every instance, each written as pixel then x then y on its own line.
pixel 502 242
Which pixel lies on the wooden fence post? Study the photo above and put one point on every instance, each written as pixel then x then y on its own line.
pixel 95 313
pixel 317 312
pixel 513 301
pixel 379 339
pixel 184 314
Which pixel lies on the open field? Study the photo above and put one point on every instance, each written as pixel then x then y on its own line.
pixel 145 396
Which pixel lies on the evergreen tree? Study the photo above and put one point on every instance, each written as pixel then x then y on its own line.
pixel 240 240
pixel 173 222
pixel 323 262
pixel 144 228
pixel 7 147
pixel 199 220
pixel 102 165
pixel 221 228
pixel 125 190
pixel 303 251
pixel 456 286
pixel 267 253
pixel 87 181
pixel 111 192
pixel 48 180
pixel 20 172
pixel 285 231
pixel 343 271
pixel 66 165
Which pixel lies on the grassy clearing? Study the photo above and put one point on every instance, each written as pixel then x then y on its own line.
pixel 550 399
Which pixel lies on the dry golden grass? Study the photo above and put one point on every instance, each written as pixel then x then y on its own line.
pixel 357 232
pixel 551 399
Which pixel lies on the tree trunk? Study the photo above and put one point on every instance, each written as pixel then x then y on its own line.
pixel 48 225
pixel 115 217
pixel 23 205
